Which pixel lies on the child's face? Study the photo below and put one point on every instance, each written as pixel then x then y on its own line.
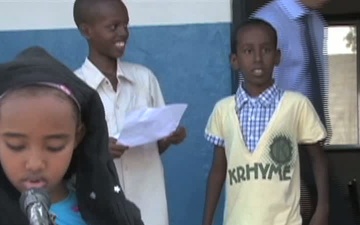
pixel 108 32
pixel 256 55
pixel 38 135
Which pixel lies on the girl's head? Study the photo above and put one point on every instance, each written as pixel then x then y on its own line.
pixel 40 127
pixel 52 126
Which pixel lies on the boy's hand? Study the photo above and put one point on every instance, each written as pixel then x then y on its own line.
pixel 177 136
pixel 116 150
pixel 319 218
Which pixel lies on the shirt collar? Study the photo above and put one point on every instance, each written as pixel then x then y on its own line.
pixel 266 98
pixel 96 77
pixel 295 9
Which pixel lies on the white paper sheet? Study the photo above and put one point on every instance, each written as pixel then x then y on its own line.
pixel 150 124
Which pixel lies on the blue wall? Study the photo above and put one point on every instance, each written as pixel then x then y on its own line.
pixel 192 65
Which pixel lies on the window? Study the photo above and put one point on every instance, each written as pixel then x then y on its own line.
pixel 343 84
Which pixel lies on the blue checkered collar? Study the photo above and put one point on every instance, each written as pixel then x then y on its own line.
pixel 266 98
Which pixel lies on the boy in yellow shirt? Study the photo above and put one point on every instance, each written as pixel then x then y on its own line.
pixel 256 134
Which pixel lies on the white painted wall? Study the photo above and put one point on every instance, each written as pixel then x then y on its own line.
pixel 57 14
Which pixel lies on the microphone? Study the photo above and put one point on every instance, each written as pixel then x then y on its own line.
pixel 35 204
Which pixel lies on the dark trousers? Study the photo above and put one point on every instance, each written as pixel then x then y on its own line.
pixel 340 211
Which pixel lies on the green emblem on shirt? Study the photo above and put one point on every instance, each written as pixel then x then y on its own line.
pixel 281 150
pixel 281 154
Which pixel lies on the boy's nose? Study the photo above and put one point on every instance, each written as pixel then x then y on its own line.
pixel 258 56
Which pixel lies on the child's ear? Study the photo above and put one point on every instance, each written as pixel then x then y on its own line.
pixel 80 133
pixel 234 62
pixel 85 30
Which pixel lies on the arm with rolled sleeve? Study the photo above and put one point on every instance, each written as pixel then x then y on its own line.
pixel 311 134
pixel 217 175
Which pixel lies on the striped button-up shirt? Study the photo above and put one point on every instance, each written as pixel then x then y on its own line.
pixel 255 113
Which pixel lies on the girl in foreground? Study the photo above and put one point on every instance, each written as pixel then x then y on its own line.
pixel 52 128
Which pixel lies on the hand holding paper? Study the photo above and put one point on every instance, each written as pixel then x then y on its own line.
pixel 177 136
pixel 151 124
pixel 116 149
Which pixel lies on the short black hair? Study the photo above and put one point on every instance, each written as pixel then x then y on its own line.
pixel 81 11
pixel 249 23
pixel 84 10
